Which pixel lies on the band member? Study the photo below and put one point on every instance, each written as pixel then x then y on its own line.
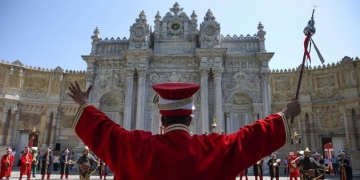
pixel 244 174
pixel 308 166
pixel 103 169
pixel 273 164
pixel 46 164
pixel 320 160
pixel 25 165
pixel 87 164
pixel 293 171
pixel 34 162
pixel 140 154
pixel 64 164
pixel 7 162
pixel 345 167
pixel 258 170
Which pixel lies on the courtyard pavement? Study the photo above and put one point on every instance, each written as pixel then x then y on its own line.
pixel 74 175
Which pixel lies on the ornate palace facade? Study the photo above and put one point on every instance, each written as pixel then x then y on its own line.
pixel 237 86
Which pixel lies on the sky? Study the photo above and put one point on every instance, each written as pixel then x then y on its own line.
pixel 51 33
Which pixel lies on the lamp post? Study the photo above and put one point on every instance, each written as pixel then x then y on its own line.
pixel 213 125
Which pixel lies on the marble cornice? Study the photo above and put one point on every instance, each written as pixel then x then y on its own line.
pixel 211 52
pixel 137 53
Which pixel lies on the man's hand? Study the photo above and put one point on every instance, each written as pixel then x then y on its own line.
pixel 78 95
pixel 292 109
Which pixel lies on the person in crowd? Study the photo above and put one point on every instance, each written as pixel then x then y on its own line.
pixel 142 155
pixel 87 164
pixel 25 165
pixel 34 162
pixel 56 161
pixel 273 164
pixel 64 164
pixel 72 158
pixel 7 162
pixel 335 164
pixel 46 164
pixel 258 169
pixel 293 170
pixel 318 158
pixel 345 167
pixel 244 173
pixel 285 166
pixel 309 166
pixel 103 169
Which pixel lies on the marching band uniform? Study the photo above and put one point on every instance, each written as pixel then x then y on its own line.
pixel 7 162
pixel 345 167
pixel 25 165
pixel 309 166
pixel 86 164
pixel 318 159
pixel 177 154
pixel 102 169
pixel 244 173
pixel 34 162
pixel 258 170
pixel 46 164
pixel 64 164
pixel 273 167
pixel 293 171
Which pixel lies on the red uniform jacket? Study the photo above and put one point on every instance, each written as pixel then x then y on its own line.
pixel 25 167
pixel 7 161
pixel 177 154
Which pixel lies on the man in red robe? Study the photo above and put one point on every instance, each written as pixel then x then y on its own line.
pixel 26 160
pixel 293 170
pixel 7 162
pixel 177 154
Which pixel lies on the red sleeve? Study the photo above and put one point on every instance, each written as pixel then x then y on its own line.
pixel 93 127
pixel 257 140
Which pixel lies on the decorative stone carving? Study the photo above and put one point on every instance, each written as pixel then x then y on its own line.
pixel 110 99
pixel 325 86
pixel 179 77
pixel 29 120
pixel 36 86
pixel 241 82
pixel 140 33
pixel 241 99
pixel 14 79
pixel 114 81
pixel 330 120
pixel 67 121
pixel 209 31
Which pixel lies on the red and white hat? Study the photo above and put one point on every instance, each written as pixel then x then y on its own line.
pixel 175 99
pixel 27 149
pixel 8 149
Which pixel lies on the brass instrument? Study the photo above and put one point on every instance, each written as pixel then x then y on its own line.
pixel 7 165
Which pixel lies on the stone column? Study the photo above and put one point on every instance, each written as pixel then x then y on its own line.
pixel 14 112
pixel 218 99
pixel 227 122
pixel 204 100
pixel 128 99
pixel 266 94
pixel 140 109
pixel 56 124
pixel 3 115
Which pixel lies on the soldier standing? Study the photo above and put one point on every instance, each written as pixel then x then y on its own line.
pixel 25 165
pixel 345 167
pixel 64 164
pixel 46 164
pixel 87 164
pixel 7 162
pixel 308 165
